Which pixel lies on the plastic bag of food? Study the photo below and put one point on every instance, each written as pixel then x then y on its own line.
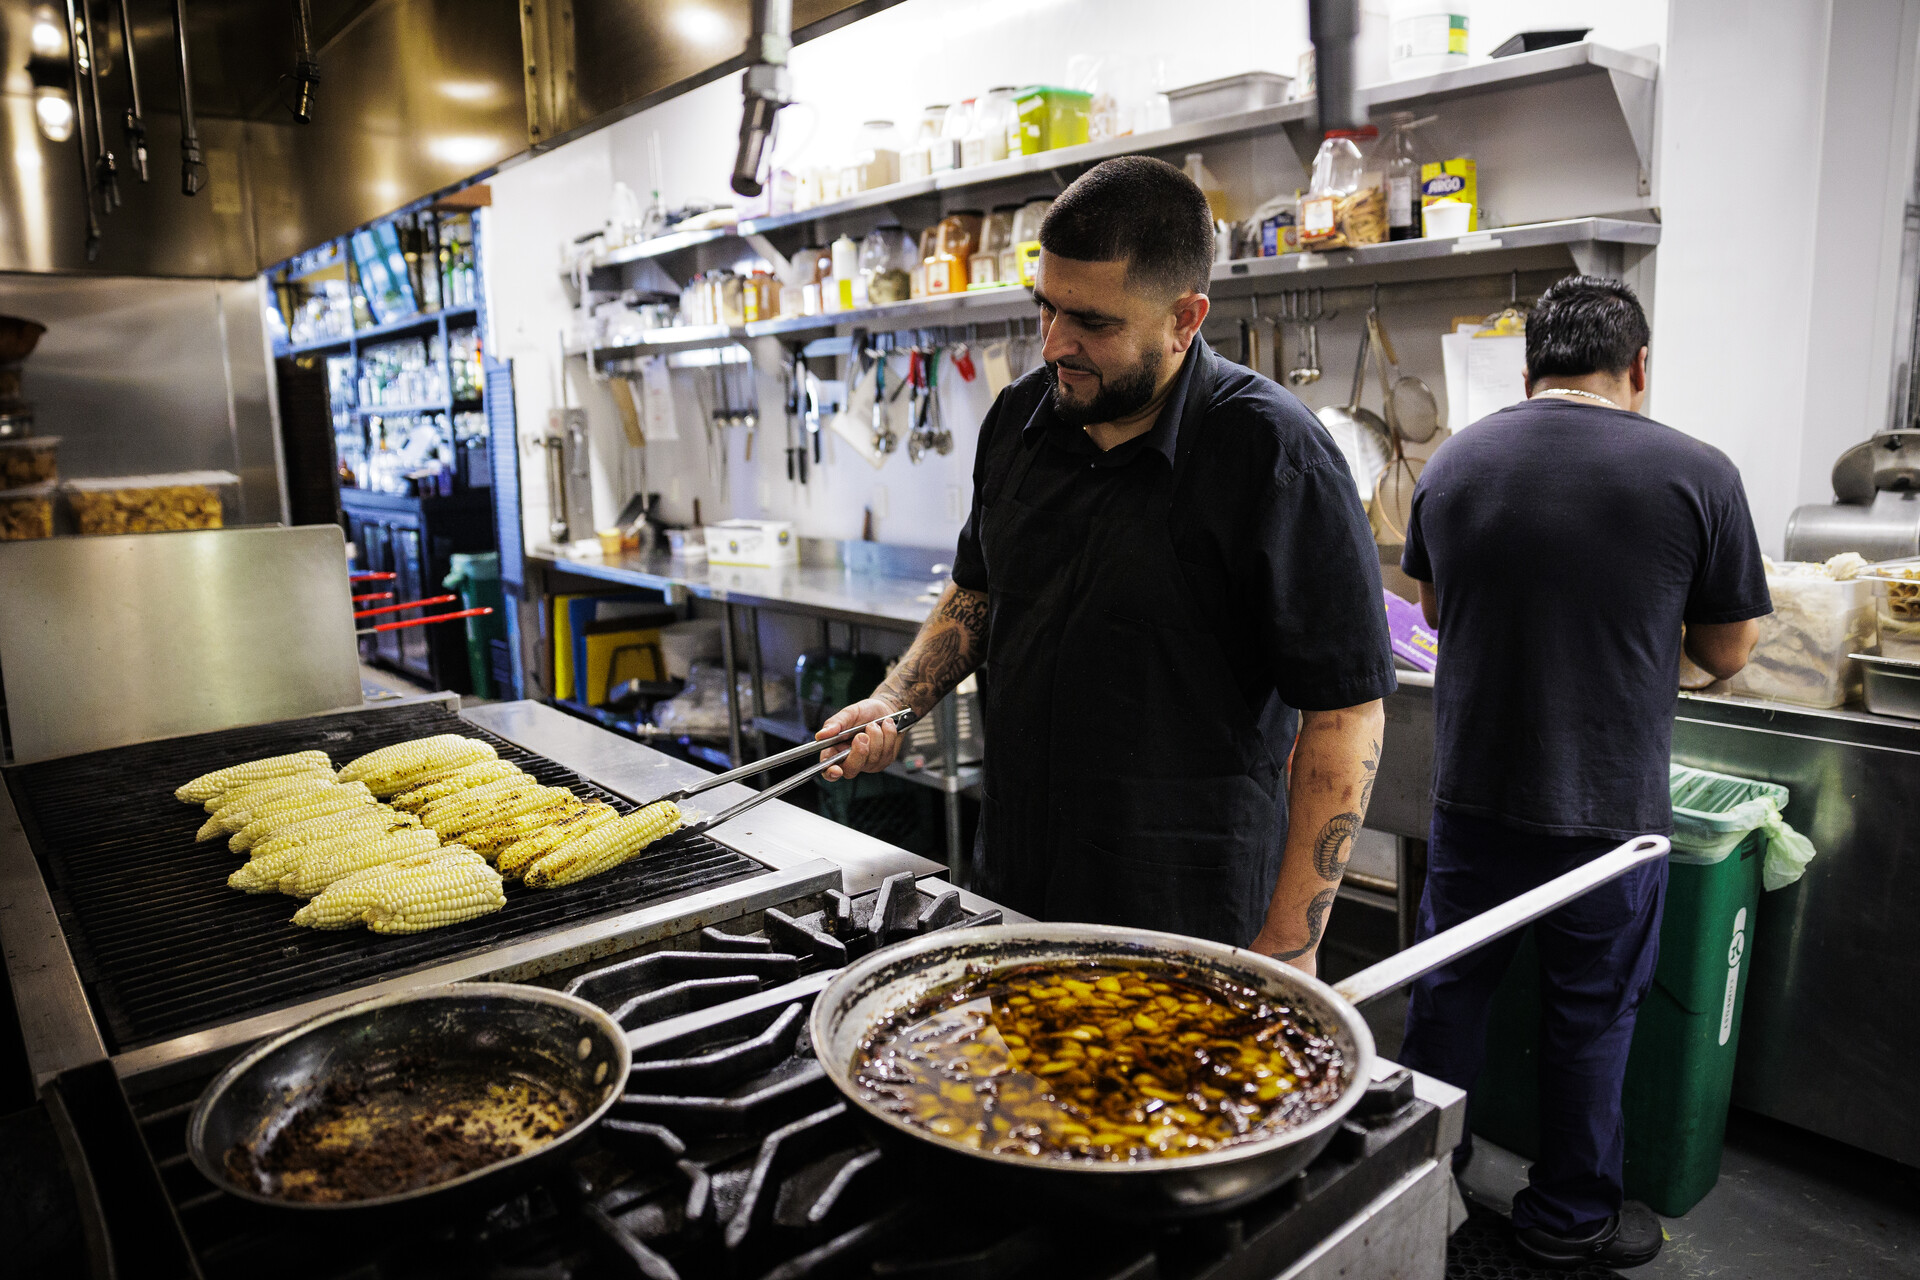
pixel 1714 812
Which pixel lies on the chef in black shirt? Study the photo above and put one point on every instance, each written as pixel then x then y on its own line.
pixel 1166 575
pixel 1560 544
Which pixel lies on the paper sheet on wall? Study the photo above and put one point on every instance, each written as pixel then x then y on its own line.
pixel 656 399
pixel 1495 371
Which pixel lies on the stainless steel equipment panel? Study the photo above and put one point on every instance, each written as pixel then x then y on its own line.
pixel 111 640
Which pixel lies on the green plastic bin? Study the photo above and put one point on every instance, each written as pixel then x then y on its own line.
pixel 1679 1080
pixel 476 578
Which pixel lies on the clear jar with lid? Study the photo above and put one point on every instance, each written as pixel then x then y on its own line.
pixel 917 160
pixel 922 255
pixel 986 139
pixel 954 128
pixel 955 238
pixel 996 238
pixel 876 159
pixel 886 257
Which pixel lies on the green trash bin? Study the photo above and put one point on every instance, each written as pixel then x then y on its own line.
pixel 476 578
pixel 1679 1080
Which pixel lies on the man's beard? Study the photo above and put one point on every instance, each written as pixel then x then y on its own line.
pixel 1118 397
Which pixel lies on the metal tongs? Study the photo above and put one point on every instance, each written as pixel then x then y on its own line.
pixel 901 720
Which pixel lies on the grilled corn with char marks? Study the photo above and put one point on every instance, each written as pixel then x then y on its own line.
pixel 603 848
pixel 406 765
pixel 489 840
pixel 208 785
pixel 462 779
pixel 515 858
pixel 453 878
pixel 339 800
pixel 326 827
pixel 508 805
pixel 482 794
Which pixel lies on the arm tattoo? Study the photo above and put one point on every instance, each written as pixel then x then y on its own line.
pixel 950 644
pixel 1316 925
pixel 1372 765
pixel 1334 843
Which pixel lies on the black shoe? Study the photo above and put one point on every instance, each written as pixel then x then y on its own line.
pixel 1631 1238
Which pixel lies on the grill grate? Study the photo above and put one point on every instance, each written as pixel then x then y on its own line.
pixel 166 948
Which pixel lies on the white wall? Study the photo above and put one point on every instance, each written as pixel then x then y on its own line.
pixel 1773 335
pixel 885 66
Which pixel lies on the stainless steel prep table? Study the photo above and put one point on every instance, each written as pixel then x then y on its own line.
pixel 803 853
pixel 869 585
pixel 1834 967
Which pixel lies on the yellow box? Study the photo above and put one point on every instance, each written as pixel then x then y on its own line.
pixel 1452 180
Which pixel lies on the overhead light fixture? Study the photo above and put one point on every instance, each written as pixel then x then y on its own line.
pixel 53 109
pixel 469 90
pixel 47 37
pixel 701 24
pixel 465 150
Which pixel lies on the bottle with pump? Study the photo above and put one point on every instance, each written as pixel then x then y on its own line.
pixel 1400 174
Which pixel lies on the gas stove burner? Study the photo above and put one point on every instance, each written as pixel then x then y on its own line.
pixel 847 928
pixel 665 984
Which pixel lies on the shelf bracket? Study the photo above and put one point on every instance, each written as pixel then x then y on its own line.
pixel 1635 93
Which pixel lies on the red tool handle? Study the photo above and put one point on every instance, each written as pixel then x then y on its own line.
pixel 421 622
pixel 376 595
pixel 370 576
pixel 407 604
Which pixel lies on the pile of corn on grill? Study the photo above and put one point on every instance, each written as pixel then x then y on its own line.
pixel 413 836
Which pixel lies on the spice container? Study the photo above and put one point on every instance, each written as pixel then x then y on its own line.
pixel 876 161
pixel 922 255
pixel 944 154
pixel 917 160
pixel 29 460
pixel 148 504
pixel 1017 262
pixel 955 239
pixel 886 264
pixel 1046 118
pixel 993 120
pixel 26 512
pixel 996 238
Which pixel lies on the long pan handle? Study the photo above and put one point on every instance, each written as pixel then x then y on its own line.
pixel 761 797
pixel 1442 948
pixel 421 622
pixel 901 719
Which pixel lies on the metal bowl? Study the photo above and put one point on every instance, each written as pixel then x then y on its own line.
pixel 555 1039
pixel 866 994
pixel 18 337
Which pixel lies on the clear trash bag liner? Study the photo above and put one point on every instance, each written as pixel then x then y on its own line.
pixel 1714 812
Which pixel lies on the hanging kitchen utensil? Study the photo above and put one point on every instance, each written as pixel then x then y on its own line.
pixel 80 134
pixel 134 125
pixel 1360 434
pixel 873 994
pixel 421 622
pixel 193 169
pixel 1392 507
pixel 106 178
pixel 306 67
pixel 1307 368
pixel 1408 405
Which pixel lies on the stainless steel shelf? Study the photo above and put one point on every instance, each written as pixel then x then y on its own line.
pixel 1632 77
pixel 1001 302
pixel 1459 254
pixel 658 246
pixel 655 342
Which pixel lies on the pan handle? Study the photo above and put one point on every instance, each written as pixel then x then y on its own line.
pixel 1442 948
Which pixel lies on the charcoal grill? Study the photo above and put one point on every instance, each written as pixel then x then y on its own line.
pixel 140 952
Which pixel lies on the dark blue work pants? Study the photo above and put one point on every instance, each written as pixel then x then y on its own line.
pixel 1596 957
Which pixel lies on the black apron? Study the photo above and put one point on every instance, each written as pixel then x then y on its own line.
pixel 1127 780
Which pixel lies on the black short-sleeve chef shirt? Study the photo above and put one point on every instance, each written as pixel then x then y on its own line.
pixel 1567 543
pixel 1265 520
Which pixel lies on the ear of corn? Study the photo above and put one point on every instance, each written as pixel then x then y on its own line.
pixel 351 796
pixel 409 890
pixel 208 785
pixel 318 865
pixel 371 817
pixel 605 847
pixel 462 779
pixel 514 858
pixel 489 840
pixel 243 804
pixel 391 770
pixel 511 805
pixel 485 793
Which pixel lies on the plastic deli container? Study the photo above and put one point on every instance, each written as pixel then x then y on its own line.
pixel 150 504
pixel 1805 644
pixel 29 460
pixel 26 512
pixel 1047 118
pixel 1897 604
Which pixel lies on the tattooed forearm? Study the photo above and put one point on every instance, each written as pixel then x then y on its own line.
pixel 952 643
pixel 1333 845
pixel 1372 765
pixel 1316 924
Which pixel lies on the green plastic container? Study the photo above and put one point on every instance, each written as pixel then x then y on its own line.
pixel 1679 1080
pixel 476 578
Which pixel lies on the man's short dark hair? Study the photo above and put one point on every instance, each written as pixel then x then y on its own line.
pixel 1141 211
pixel 1582 325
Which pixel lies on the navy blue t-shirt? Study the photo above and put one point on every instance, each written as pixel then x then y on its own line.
pixel 1568 542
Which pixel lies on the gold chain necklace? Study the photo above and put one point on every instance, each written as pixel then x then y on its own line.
pixel 1575 391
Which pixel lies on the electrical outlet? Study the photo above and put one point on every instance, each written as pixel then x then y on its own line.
pixel 956 504
pixel 879 502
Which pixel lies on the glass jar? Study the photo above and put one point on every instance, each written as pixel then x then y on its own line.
pixel 923 253
pixel 955 125
pixel 996 238
pixel 955 238
pixel 917 160
pixel 876 159
pixel 886 265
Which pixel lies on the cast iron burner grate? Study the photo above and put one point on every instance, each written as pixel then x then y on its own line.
pixel 165 947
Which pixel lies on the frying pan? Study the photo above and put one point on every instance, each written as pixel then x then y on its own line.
pixel 863 996
pixel 496 1029
pixel 1361 434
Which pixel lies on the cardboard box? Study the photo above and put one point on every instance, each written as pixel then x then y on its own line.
pixel 752 544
